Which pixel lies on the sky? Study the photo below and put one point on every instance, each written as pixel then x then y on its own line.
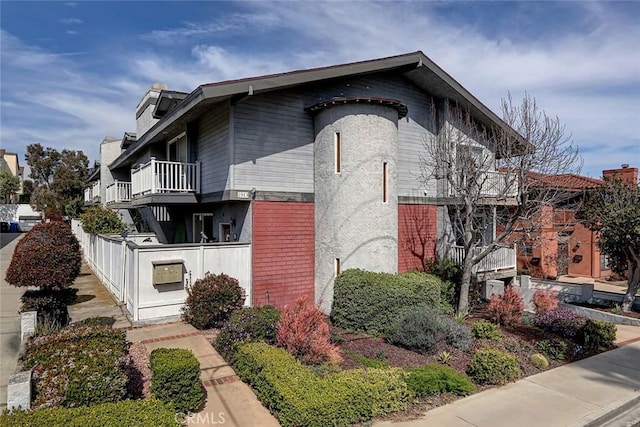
pixel 72 73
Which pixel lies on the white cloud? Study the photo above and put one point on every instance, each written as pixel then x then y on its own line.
pixel 71 21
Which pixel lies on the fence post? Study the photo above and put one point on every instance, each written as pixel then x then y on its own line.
pixel 153 175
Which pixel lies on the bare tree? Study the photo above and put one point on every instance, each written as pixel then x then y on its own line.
pixel 495 180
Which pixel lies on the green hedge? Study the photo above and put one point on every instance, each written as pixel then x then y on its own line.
pixel 175 378
pixel 298 397
pixel 140 413
pixel 437 379
pixel 370 302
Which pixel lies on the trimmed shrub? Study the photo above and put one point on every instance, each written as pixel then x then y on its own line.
pixel 47 257
pixel 51 305
pixel 298 397
pixel 486 330
pixel 421 328
pixel 545 300
pixel 555 349
pixel 211 300
pixel 140 413
pixel 492 366
pixel 370 302
pixel 539 361
pixel 78 366
pixel 248 324
pixel 101 220
pixel 303 332
pixel 506 309
pixel 438 379
pixel 175 378
pixel 562 321
pixel 596 334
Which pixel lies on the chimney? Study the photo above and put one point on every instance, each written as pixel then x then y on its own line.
pixel 625 173
pixel 144 110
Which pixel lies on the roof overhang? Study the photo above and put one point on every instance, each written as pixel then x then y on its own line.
pixel 416 67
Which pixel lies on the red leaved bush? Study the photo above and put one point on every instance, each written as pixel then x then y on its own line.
pixel 303 332
pixel 48 257
pixel 506 309
pixel 545 300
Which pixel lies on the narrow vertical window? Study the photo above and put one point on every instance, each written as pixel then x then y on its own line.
pixel 337 267
pixel 384 182
pixel 338 150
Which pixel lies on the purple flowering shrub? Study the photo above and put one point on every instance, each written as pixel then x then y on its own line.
pixel 248 324
pixel 78 366
pixel 211 300
pixel 562 321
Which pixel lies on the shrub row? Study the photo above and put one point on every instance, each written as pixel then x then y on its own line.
pixel 421 328
pixel 211 300
pixel 175 378
pixel 248 324
pixel 591 334
pixel 370 302
pixel 48 256
pixel 142 413
pixel 101 220
pixel 298 397
pixel 78 366
pixel 437 379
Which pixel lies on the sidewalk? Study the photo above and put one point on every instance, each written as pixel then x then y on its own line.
pixel 575 394
pixel 9 319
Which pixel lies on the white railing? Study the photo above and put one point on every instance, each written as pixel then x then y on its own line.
pixel 92 194
pixel 495 184
pixel 118 192
pixel 125 267
pixel 502 258
pixel 158 177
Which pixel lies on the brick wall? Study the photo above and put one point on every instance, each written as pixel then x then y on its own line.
pixel 283 252
pixel 417 234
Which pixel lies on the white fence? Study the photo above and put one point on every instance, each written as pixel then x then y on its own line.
pixel 125 267
pixel 118 192
pixel 502 258
pixel 158 176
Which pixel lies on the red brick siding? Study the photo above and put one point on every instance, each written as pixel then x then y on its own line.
pixel 417 233
pixel 283 252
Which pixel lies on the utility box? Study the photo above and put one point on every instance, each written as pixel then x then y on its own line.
pixel 167 272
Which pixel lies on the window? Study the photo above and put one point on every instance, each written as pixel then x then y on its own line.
pixel 526 249
pixel 203 228
pixel 225 232
pixel 384 182
pixel 338 152
pixel 177 149
pixel 337 267
pixel 605 262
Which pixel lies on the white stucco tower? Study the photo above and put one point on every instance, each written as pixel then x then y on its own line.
pixel 356 203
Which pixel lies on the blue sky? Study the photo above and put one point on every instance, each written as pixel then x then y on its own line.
pixel 73 72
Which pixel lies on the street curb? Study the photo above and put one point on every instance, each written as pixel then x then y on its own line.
pixel 609 412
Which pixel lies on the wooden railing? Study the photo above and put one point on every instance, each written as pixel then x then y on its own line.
pixel 158 177
pixel 118 192
pixel 92 194
pixel 495 184
pixel 502 258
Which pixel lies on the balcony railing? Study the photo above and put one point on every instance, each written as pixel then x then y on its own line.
pixel 163 177
pixel 118 192
pixel 92 194
pixel 502 258
pixel 495 184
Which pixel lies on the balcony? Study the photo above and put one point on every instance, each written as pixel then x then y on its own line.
pixel 501 260
pixel 159 181
pixel 495 184
pixel 118 192
pixel 92 194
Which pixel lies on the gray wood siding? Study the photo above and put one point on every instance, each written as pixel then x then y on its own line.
pixel 273 143
pixel 212 148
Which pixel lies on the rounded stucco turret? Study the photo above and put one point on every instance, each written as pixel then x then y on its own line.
pixel 356 205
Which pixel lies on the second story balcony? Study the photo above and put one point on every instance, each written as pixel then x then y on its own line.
pixel 92 193
pixel 160 181
pixel 499 263
pixel 118 192
pixel 495 184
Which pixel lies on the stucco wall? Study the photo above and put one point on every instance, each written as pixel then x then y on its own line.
pixel 353 224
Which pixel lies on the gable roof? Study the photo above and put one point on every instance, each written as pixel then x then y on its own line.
pixel 568 181
pixel 415 66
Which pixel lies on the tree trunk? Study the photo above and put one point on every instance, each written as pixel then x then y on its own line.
pixel 634 284
pixel 465 284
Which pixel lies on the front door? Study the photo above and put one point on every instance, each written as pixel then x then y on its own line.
pixel 203 228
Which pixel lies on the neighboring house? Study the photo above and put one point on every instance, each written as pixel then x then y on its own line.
pixel 10 162
pixel 563 246
pixel 319 170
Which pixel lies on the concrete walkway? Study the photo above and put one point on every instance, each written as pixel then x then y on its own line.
pixel 9 318
pixel 576 394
